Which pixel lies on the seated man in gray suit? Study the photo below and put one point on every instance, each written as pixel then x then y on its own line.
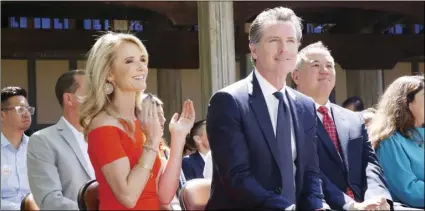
pixel 58 163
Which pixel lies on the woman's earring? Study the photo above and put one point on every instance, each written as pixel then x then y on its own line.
pixel 108 88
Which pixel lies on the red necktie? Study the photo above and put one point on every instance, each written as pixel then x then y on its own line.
pixel 331 129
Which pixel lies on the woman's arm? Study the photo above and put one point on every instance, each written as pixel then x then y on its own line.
pixel 402 182
pixel 179 128
pixel 169 179
pixel 128 184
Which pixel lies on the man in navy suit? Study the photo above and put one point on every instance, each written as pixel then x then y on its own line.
pixel 193 165
pixel 261 132
pixel 352 177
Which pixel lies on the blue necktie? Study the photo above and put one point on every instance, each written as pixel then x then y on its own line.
pixel 283 138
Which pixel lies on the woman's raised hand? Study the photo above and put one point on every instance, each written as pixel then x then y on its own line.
pixel 181 125
pixel 150 122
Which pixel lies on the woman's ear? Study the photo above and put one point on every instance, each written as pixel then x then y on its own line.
pixel 110 77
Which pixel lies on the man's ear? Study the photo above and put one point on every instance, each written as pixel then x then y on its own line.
pixel 66 99
pixel 295 76
pixel 253 49
pixel 197 139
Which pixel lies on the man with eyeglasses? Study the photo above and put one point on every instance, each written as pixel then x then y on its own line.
pixel 15 120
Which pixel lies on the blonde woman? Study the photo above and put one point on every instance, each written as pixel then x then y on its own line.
pixel 123 139
pixel 397 134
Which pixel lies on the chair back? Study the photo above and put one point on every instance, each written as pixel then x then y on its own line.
pixel 28 203
pixel 88 196
pixel 195 194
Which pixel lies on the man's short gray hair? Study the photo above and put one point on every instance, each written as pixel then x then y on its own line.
pixel 275 14
pixel 314 47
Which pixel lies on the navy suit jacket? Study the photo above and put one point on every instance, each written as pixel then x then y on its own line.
pixel 357 168
pixel 193 166
pixel 246 173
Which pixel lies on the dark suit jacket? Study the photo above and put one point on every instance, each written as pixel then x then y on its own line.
pixel 246 173
pixel 193 166
pixel 358 168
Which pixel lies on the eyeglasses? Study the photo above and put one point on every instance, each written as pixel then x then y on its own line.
pixel 21 109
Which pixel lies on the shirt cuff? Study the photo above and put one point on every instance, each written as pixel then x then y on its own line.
pixel 292 207
pixel 349 205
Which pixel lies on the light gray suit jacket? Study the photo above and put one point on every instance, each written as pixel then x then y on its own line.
pixel 56 167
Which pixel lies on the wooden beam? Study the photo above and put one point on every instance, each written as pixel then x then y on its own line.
pixel 412 10
pixel 174 50
pixel 179 50
pixel 76 10
pixel 362 51
pixel 357 22
pixel 179 12
pixel 185 12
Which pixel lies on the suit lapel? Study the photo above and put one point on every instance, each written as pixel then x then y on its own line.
pixel 342 129
pixel 70 139
pixel 326 140
pixel 259 106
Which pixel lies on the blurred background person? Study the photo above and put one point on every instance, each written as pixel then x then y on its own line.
pixel 368 114
pixel 164 147
pixel 188 149
pixel 15 120
pixel 123 139
pixel 193 164
pixel 397 134
pixel 354 103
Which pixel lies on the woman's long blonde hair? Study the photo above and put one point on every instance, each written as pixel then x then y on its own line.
pixel 99 63
pixel 393 113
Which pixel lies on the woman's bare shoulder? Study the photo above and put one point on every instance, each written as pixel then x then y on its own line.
pixel 103 119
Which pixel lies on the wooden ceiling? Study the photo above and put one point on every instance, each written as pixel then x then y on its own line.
pixel 354 31
pixel 344 14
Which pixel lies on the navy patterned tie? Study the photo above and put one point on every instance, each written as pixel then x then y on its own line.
pixel 283 138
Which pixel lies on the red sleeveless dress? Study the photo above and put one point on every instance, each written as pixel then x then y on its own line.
pixel 109 143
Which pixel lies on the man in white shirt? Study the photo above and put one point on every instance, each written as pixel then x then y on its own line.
pixel 15 120
pixel 58 163
pixel 193 165
pixel 208 166
pixel 261 132
pixel 351 175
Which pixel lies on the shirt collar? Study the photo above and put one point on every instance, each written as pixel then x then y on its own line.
pixel 73 129
pixel 327 105
pixel 266 87
pixel 203 156
pixel 5 141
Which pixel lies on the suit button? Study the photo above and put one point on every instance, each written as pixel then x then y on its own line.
pixel 278 190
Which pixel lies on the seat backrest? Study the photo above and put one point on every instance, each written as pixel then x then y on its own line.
pixel 88 196
pixel 195 194
pixel 28 203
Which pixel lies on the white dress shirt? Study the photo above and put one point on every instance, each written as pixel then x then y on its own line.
pixel 208 166
pixel 79 136
pixel 203 156
pixel 320 115
pixel 273 106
